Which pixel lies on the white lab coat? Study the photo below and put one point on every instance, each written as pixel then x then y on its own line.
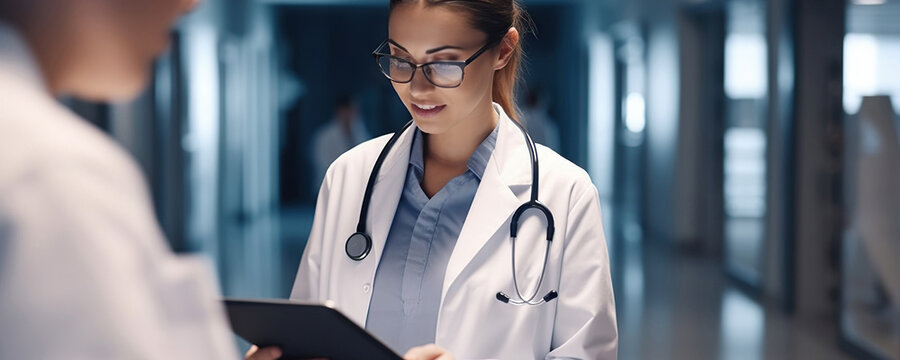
pixel 472 323
pixel 85 272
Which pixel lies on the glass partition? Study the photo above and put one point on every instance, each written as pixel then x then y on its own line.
pixel 870 310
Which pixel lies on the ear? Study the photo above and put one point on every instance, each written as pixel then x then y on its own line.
pixel 507 45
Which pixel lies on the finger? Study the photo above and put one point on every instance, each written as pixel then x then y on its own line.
pixel 446 356
pixel 272 352
pixel 249 354
pixel 266 353
pixel 426 352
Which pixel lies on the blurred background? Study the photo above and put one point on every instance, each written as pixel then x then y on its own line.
pixel 745 151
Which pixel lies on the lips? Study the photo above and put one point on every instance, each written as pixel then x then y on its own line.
pixel 424 111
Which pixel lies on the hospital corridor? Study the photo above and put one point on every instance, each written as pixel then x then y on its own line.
pixel 672 179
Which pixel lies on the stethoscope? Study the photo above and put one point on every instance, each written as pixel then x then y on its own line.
pixel 359 244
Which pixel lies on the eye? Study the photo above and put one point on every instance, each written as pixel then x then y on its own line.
pixel 399 63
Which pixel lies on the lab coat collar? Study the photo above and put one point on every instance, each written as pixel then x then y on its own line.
pixel 497 198
pixel 511 153
pixel 399 155
pixel 16 60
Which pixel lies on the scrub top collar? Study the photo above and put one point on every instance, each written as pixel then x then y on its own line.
pixel 476 163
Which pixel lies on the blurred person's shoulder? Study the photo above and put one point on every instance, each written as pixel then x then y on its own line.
pixel 41 140
pixel 62 177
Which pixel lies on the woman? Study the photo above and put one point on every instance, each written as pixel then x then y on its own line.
pixel 442 204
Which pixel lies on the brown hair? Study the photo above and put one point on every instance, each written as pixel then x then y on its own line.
pixel 494 18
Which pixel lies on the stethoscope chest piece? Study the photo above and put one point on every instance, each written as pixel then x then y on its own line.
pixel 358 246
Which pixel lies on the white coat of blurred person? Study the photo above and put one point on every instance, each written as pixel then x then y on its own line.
pixel 85 272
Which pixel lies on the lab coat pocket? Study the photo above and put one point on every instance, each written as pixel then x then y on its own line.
pixel 479 326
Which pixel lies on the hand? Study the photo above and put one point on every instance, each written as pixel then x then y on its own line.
pixel 428 352
pixel 266 353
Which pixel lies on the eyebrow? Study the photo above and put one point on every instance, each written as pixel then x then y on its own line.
pixel 427 52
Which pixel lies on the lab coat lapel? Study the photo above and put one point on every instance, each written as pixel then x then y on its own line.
pixel 385 197
pixel 495 201
pixel 388 188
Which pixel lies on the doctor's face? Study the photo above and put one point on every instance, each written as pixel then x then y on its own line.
pixel 421 33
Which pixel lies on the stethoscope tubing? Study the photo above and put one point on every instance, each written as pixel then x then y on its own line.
pixel 534 203
pixel 370 185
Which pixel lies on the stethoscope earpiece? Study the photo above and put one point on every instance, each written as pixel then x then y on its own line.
pixel 506 300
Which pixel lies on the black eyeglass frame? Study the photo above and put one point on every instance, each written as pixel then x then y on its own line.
pixel 461 64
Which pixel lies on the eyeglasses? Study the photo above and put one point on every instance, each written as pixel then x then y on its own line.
pixel 445 74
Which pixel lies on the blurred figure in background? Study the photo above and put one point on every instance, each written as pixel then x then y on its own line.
pixel 85 272
pixel 536 118
pixel 345 130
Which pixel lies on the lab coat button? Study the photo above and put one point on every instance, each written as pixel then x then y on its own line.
pixel 366 288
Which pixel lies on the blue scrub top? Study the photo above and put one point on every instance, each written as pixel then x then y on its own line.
pixel 406 295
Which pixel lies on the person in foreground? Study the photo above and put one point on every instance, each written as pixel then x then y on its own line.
pixel 428 269
pixel 85 272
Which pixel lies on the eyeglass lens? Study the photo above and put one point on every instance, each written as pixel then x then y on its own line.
pixel 439 74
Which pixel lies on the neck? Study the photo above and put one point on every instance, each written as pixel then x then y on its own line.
pixel 455 147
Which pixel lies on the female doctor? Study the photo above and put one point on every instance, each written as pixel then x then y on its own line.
pixel 427 258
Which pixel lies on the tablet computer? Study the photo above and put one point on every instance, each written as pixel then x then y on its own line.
pixel 303 330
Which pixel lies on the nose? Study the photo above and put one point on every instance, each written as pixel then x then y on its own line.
pixel 419 84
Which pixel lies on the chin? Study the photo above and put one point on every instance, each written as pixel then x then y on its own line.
pixel 430 126
pixel 120 88
pixel 128 92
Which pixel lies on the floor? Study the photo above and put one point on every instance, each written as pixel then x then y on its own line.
pixel 681 306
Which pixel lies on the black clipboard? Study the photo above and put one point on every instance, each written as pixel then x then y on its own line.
pixel 303 330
